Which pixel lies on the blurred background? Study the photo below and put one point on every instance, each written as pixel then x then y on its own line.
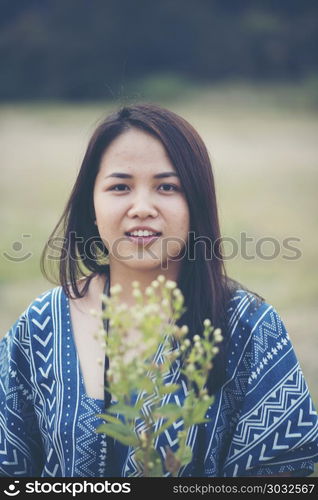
pixel 244 73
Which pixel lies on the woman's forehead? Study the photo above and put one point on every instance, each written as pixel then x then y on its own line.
pixel 134 150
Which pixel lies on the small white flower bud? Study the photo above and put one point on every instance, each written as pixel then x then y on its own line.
pixel 116 289
pixel 155 284
pixel 152 309
pixel 161 278
pixel 207 322
pixel 196 338
pixel 218 335
pixel 143 436
pixel 184 329
pixel 171 284
pixel 136 293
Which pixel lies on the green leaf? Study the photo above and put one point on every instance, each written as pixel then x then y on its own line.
pixel 120 432
pixel 157 470
pixel 169 410
pixel 146 384
pixel 110 418
pixel 200 409
pixel 169 389
pixel 185 455
pixel 130 412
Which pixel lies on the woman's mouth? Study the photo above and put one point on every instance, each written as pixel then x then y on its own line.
pixel 142 239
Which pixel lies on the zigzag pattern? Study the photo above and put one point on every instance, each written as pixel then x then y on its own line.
pixel 269 329
pixel 272 452
pixel 16 397
pixel 42 343
pixel 266 349
pixel 262 420
pixel 87 456
pixel 3 361
pixel 227 400
pixel 267 412
pixel 51 468
pixel 16 463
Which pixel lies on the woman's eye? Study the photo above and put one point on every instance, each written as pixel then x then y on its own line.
pixel 118 185
pixel 163 187
pixel 174 188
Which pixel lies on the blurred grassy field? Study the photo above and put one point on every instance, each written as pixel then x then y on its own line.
pixel 264 148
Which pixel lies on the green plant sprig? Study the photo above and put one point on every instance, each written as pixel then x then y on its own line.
pixel 136 336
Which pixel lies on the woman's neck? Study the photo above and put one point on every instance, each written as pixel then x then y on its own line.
pixel 126 276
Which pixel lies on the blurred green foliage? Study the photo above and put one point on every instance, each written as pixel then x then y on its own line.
pixel 94 49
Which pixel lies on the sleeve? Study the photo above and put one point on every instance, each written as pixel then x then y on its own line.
pixel 277 427
pixel 20 440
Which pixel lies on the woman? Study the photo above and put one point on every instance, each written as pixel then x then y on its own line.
pixel 144 204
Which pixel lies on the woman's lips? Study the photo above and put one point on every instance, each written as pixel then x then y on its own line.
pixel 142 240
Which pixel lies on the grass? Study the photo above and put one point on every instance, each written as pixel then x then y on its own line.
pixel 264 151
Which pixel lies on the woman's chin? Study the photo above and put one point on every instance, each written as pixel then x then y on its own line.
pixel 144 264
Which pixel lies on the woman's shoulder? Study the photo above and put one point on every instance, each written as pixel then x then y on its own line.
pixel 266 383
pixel 38 311
pixel 51 304
pixel 256 329
pixel 37 322
pixel 44 301
pixel 252 319
pixel 248 307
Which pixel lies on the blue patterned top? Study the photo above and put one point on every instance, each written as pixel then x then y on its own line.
pixel 262 421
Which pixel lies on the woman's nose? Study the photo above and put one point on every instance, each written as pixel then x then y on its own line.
pixel 142 206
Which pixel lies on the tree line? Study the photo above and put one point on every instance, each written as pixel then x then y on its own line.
pixel 80 49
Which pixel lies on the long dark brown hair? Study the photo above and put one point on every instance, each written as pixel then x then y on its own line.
pixel 203 281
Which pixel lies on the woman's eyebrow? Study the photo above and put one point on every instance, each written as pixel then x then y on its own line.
pixel 121 175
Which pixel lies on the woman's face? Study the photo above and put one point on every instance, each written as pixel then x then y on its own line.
pixel 137 198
